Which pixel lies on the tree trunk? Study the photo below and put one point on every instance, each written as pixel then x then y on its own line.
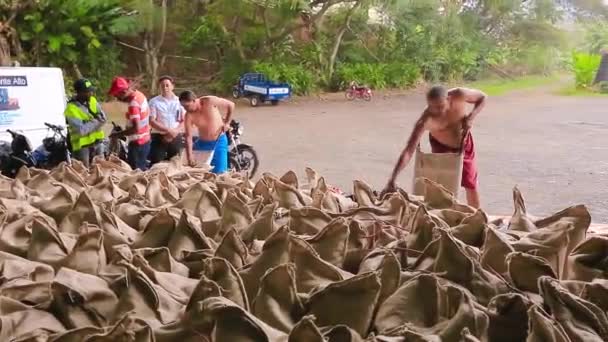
pixel 5 51
pixel 152 44
pixel 338 40
pixel 77 71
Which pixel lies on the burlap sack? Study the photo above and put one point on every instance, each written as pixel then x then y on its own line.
pixel 287 196
pixel 308 220
pixel 143 299
pixel 386 265
pixel 177 286
pixel 158 231
pixel 42 182
pixel 20 322
pixel 235 214
pixel 26 281
pixel 588 260
pixel 396 211
pixel 15 236
pixel 262 190
pixel 341 333
pixel 364 195
pixel 428 306
pixel 422 233
pixel 331 242
pixel 160 259
pixel 127 329
pixel 219 278
pixel 581 320
pixel 88 254
pixel 106 190
pixel 277 302
pixel 188 237
pixel 471 229
pixel 15 209
pixel 324 199
pixel 525 270
pixel 494 251
pixel 68 176
pixel 218 319
pixel 133 213
pixel 84 210
pixel 520 220
pixel 47 245
pixel 306 330
pixel 81 299
pixel 262 226
pixel 550 243
pixel 58 203
pixel 451 260
pixel 333 304
pixel 542 327
pixel 115 231
pixel 437 196
pixel 233 249
pixel 202 202
pixel 136 181
pixel 161 191
pixel 508 315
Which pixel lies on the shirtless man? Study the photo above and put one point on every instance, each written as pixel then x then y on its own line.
pixel 449 126
pixel 205 114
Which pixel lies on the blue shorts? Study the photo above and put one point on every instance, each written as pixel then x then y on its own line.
pixel 220 153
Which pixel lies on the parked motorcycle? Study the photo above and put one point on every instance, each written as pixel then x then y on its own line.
pixel 54 149
pixel 355 91
pixel 15 155
pixel 241 157
pixel 116 146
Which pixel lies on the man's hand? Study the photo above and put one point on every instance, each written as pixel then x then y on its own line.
pixel 389 188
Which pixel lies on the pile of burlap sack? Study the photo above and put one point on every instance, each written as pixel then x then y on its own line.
pixel 179 254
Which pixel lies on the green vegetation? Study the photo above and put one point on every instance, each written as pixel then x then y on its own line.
pixel 312 44
pixel 496 87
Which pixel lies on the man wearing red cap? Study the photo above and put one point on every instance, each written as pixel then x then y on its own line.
pixel 138 125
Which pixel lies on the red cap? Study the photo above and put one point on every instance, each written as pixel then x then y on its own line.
pixel 118 84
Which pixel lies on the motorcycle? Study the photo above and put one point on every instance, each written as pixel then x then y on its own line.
pixel 358 92
pixel 54 149
pixel 116 146
pixel 241 157
pixel 15 155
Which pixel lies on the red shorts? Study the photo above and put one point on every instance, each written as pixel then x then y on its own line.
pixel 469 168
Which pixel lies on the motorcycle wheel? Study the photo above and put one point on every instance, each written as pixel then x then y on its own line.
pixel 246 160
pixel 367 97
pixel 349 95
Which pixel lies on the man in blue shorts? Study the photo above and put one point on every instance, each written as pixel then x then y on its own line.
pixel 205 113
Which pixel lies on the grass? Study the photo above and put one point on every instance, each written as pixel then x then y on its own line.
pixel 582 92
pixel 497 87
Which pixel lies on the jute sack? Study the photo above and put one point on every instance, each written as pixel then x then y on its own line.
pixel 442 168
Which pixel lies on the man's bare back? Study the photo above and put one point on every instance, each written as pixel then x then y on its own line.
pixel 206 118
pixel 205 113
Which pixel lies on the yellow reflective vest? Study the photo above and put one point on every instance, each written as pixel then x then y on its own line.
pixel 75 110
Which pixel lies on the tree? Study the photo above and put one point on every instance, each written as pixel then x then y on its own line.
pixel 9 36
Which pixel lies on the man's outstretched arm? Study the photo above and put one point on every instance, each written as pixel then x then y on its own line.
pixel 408 151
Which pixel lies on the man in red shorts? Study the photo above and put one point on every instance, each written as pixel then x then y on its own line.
pixel 449 125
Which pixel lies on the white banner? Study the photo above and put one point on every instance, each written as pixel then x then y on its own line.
pixel 29 97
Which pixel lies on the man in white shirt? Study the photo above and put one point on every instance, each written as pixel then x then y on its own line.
pixel 166 118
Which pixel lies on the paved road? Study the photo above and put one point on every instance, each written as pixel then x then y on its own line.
pixel 554 148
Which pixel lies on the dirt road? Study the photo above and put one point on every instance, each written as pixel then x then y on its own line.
pixel 554 148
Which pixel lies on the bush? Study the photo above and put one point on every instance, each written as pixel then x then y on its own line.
pixel 377 75
pixel 301 79
pixel 584 66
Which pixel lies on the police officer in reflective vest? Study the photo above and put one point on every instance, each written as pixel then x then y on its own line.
pixel 85 120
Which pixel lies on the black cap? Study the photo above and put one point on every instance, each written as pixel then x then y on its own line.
pixel 83 85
